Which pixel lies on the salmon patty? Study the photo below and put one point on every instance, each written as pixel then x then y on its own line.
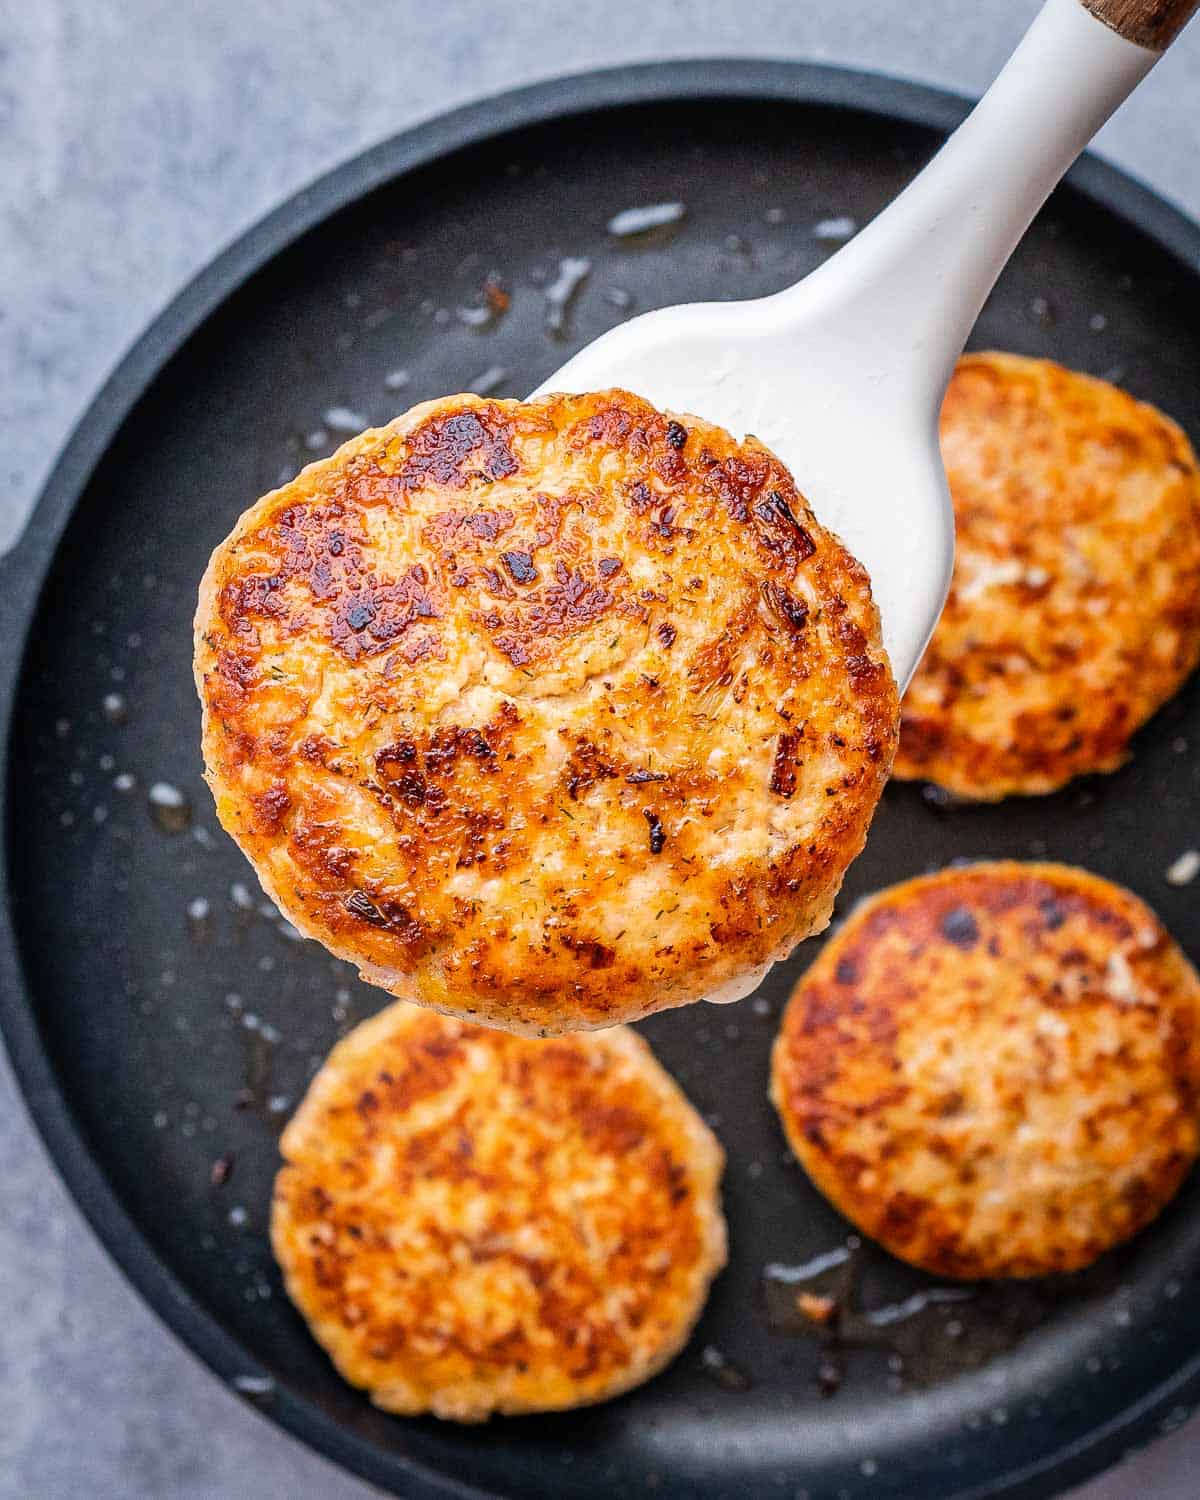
pixel 473 1222
pixel 995 1071
pixel 546 714
pixel 1074 610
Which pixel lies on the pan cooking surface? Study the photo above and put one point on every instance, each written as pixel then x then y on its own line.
pixel 180 1022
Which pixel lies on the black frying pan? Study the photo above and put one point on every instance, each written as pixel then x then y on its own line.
pixel 141 1073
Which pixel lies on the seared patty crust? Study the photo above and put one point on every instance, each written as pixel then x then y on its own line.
pixel 548 714
pixel 473 1222
pixel 995 1071
pixel 1074 610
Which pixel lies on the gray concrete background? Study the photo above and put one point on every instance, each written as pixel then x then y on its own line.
pixel 136 138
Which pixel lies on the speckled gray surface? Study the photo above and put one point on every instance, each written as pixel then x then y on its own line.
pixel 136 138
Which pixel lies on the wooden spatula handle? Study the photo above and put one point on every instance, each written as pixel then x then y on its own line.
pixel 1150 23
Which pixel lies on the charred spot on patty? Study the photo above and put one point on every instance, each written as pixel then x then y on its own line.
pixel 520 566
pixel 782 606
pixel 452 448
pixel 595 954
pixel 271 806
pixel 960 927
pixel 783 768
pixel 586 767
pixel 388 915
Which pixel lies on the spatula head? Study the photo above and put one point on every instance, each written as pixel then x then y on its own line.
pixel 861 446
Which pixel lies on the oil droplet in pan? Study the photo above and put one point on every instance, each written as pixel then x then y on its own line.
pixel 572 273
pixel 632 222
pixel 721 1369
pixel 933 1334
pixel 939 800
pixel 1185 869
pixel 199 919
pixel 836 230
pixel 261 1041
pixel 116 709
pixel 169 808
pixel 342 419
pixel 257 1388
pixel 240 897
pixel 493 304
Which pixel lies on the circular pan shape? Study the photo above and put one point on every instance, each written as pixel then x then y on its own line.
pixel 548 713
pixel 995 1071
pixel 473 1222
pixel 81 1075
pixel 1074 610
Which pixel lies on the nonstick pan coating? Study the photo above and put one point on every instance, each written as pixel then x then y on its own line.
pixel 159 1026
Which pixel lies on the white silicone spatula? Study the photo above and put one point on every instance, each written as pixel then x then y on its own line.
pixel 843 374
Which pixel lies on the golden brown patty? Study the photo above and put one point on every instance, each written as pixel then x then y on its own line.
pixel 1074 611
pixel 551 714
pixel 475 1222
pixel 994 1071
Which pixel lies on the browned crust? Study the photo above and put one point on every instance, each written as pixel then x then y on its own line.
pixel 994 1071
pixel 474 1222
pixel 550 714
pixel 1074 611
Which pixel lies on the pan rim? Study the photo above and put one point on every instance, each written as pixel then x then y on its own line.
pixel 24 569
